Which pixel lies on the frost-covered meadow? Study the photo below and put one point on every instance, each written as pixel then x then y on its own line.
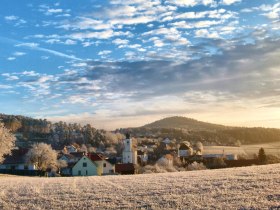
pixel 255 187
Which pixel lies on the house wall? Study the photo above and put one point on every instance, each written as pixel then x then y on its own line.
pixel 80 170
pixel 20 166
pixel 108 169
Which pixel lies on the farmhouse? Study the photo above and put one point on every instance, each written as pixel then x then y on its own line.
pixel 104 166
pixel 85 167
pixel 16 161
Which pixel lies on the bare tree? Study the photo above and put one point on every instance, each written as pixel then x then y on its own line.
pixel 61 164
pixel 199 148
pixel 7 142
pixel 42 156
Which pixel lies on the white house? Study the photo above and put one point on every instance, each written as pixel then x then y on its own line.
pixel 142 157
pixel 185 150
pixel 129 154
pixel 84 167
pixel 16 161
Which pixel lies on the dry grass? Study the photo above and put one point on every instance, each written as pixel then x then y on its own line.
pixel 256 187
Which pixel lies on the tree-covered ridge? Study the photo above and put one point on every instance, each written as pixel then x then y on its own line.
pixel 182 129
pixel 58 134
pixel 184 123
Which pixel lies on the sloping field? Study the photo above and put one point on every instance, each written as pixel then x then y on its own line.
pixel 256 187
pixel 270 148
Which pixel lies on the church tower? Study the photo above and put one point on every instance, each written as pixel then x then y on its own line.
pixel 129 154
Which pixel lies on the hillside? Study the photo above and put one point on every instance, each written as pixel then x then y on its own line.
pixel 181 129
pixel 255 187
pixel 29 130
pixel 184 123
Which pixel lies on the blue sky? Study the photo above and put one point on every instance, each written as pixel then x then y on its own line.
pixel 126 63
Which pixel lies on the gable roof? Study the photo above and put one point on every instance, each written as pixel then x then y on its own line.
pixel 96 156
pixel 84 156
pixel 77 154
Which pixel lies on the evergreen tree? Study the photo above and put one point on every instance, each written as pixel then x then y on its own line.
pixel 262 156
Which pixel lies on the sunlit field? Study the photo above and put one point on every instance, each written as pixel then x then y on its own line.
pixel 255 187
pixel 270 148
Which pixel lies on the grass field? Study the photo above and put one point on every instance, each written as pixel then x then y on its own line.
pixel 270 148
pixel 255 187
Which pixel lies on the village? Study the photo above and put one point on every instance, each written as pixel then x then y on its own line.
pixel 133 160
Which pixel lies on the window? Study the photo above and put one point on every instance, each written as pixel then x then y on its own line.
pixel 84 164
pixel 79 173
pixel 86 172
pixel 25 167
pixel 104 164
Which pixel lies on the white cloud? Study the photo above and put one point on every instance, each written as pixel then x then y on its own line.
pixel 30 73
pixel 89 35
pixel 5 87
pixel 206 34
pixel 229 2
pixel 104 52
pixel 10 77
pixel 192 3
pixel 19 53
pixel 54 10
pixel 120 41
pixel 11 18
pixel 11 58
pixel 70 42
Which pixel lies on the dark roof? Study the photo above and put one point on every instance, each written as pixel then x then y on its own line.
pixel 69 156
pixel 124 167
pixel 113 160
pixel 16 157
pixel 77 154
pixel 96 157
pixel 184 147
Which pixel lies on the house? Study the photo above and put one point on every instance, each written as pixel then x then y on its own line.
pixel 166 141
pixel 105 167
pixel 166 160
pixel 185 150
pixel 125 168
pixel 70 149
pixel 142 157
pixel 16 161
pixel 85 167
pixel 72 157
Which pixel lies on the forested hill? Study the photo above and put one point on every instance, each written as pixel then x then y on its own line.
pixel 182 129
pixel 31 130
pixel 184 123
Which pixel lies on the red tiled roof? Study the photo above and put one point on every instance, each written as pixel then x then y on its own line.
pixel 96 157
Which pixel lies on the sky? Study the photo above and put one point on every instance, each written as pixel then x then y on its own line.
pixel 125 63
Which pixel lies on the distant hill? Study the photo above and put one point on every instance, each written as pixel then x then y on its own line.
pixel 184 123
pixel 186 129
